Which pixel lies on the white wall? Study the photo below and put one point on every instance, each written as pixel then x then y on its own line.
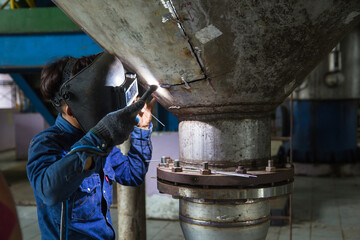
pixel 161 206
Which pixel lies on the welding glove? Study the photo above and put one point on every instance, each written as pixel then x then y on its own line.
pixel 116 126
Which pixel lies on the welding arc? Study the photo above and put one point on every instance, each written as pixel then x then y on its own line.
pixel 180 84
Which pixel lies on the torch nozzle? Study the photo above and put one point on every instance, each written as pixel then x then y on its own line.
pixel 148 93
pixel 141 102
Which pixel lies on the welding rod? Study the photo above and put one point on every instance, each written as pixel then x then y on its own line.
pixel 158 120
pixel 144 98
pixel 148 93
pixel 223 173
pixel 234 174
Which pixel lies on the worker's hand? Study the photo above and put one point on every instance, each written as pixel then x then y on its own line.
pixel 145 115
pixel 116 126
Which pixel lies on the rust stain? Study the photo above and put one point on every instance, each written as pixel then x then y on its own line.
pixel 188 53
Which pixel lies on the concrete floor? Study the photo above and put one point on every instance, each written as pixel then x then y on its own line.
pixel 323 208
pixel 156 229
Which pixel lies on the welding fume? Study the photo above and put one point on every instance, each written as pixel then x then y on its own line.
pixel 73 164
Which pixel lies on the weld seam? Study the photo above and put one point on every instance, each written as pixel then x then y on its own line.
pixel 191 46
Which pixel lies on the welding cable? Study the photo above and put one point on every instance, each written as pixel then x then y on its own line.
pixel 64 205
pixel 64 221
pixel 90 149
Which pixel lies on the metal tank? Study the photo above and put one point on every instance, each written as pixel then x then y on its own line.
pixel 222 66
pixel 325 108
pixel 337 77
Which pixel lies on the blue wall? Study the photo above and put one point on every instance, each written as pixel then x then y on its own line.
pixel 324 131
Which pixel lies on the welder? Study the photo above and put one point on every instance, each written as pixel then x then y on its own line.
pixel 72 165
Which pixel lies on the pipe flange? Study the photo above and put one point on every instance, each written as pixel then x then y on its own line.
pixel 195 178
pixel 225 193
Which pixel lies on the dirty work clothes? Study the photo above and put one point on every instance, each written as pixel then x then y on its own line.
pixel 56 176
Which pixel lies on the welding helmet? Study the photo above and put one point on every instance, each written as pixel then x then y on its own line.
pixel 102 87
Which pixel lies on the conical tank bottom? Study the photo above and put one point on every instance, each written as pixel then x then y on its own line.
pixel 217 57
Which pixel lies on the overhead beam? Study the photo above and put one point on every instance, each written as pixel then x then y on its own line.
pixel 35 20
pixel 34 99
pixel 34 51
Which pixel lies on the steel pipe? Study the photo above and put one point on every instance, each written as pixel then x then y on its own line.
pixel 225 144
pixel 235 219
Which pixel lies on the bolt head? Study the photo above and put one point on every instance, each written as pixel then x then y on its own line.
pixel 176 163
pixel 205 165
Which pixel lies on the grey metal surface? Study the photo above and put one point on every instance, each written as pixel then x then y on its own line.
pixel 242 219
pixel 196 232
pixel 225 144
pixel 235 211
pixel 345 82
pixel 254 52
pixel 225 193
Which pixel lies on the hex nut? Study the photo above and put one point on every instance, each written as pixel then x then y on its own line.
pixel 205 171
pixel 164 165
pixel 288 165
pixel 240 169
pixel 176 169
pixel 270 169
pixel 169 160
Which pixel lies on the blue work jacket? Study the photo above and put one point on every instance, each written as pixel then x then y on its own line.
pixel 56 176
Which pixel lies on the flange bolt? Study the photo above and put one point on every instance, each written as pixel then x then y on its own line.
pixel 176 163
pixel 164 162
pixel 176 167
pixel 205 165
pixel 205 169
pixel 240 169
pixel 270 167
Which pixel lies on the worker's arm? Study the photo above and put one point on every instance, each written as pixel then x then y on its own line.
pixel 55 175
pixel 130 170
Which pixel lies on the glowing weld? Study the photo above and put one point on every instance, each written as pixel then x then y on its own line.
pixel 166 85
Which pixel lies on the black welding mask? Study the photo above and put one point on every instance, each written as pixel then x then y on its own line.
pixel 100 88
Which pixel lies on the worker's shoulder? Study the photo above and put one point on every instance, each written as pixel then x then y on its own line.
pixel 52 133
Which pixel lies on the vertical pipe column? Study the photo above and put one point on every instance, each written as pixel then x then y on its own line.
pixel 227 220
pixel 131 208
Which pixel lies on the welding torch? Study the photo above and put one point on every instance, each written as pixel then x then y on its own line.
pixel 144 98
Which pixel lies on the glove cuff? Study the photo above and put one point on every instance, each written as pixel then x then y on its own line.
pixel 103 133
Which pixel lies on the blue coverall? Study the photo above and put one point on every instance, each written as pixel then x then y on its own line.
pixel 56 176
